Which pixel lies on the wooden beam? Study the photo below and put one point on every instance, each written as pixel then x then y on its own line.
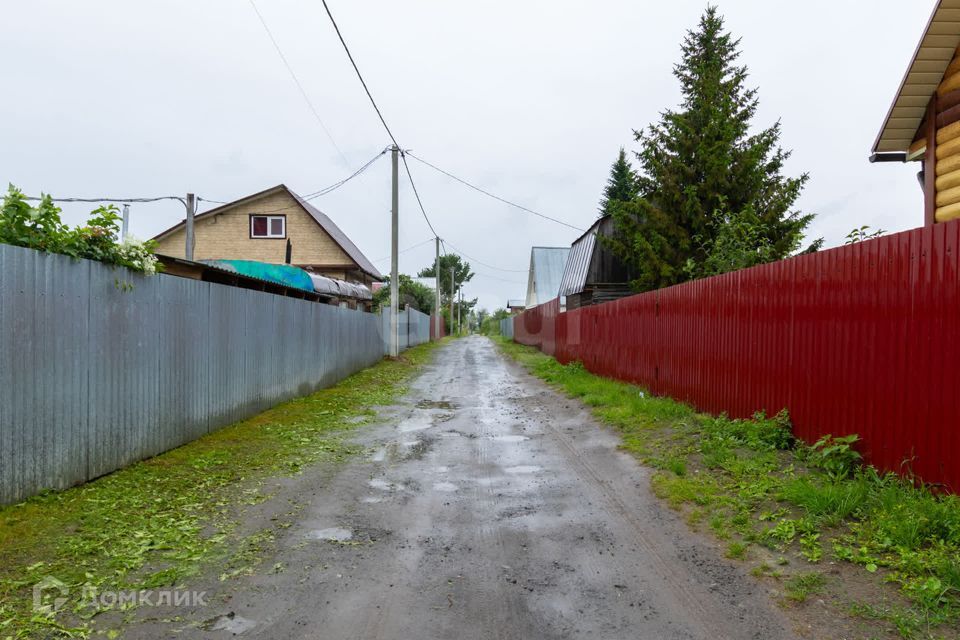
pixel 930 166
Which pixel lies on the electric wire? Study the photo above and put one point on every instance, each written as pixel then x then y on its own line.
pixel 296 81
pixel 123 200
pixel 417 194
pixel 359 75
pixel 419 244
pixel 490 266
pixel 495 197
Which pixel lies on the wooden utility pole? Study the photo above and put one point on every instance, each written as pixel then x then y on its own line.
pixel 191 211
pixel 394 250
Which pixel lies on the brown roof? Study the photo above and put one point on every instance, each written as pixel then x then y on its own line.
pixel 318 216
pixel 934 53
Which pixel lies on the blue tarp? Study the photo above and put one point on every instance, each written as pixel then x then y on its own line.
pixel 282 274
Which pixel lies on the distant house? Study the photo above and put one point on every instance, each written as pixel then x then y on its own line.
pixel 593 273
pixel 546 270
pixel 923 122
pixel 267 227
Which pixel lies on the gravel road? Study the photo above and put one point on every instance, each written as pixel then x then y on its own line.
pixel 489 506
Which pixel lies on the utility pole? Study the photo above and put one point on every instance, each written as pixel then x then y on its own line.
pixel 394 250
pixel 191 211
pixel 436 307
pixel 452 296
pixel 124 229
pixel 460 310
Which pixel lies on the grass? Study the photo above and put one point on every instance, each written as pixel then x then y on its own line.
pixel 159 521
pixel 752 484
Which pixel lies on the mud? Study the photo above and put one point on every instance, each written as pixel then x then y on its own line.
pixel 489 507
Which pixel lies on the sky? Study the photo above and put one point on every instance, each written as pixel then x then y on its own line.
pixel 530 100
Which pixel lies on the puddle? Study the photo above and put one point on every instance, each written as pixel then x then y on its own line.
pixel 410 443
pixel 445 486
pixel 435 404
pixel 333 534
pixel 414 424
pixel 371 499
pixel 441 470
pixel 509 438
pixel 232 623
pixel 379 456
pixel 524 468
pixel 383 485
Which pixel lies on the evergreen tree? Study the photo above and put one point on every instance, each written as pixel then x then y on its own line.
pixel 701 167
pixel 621 185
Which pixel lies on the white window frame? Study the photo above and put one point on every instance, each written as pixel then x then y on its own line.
pixel 270 219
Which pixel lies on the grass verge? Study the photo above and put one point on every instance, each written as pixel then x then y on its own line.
pixel 776 500
pixel 159 521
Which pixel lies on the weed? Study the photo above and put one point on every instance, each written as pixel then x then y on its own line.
pixel 836 456
pixel 737 550
pixel 803 585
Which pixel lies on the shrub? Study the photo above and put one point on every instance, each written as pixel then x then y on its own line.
pixel 42 229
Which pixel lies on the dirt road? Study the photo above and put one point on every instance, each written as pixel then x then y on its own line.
pixel 490 507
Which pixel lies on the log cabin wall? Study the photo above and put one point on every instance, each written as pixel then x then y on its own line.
pixel 937 143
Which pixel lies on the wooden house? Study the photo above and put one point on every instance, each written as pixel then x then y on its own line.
pixel 923 124
pixel 593 273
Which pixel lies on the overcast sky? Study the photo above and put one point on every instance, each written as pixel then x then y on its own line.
pixel 530 100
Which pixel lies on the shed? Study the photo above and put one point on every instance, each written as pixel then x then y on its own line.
pixel 546 271
pixel 923 122
pixel 593 273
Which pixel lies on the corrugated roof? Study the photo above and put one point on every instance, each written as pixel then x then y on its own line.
pixel 574 278
pixel 934 53
pixel 546 271
pixel 318 216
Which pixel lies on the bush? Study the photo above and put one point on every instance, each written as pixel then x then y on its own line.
pixel 42 229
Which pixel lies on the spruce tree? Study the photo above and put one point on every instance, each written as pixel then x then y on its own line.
pixel 621 185
pixel 701 167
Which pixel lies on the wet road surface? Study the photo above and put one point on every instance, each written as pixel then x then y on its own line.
pixel 489 507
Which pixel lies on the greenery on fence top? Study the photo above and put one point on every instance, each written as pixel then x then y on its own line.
pixel 41 228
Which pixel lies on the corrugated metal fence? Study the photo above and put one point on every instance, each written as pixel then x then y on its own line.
pixel 506 327
pixel 101 367
pixel 859 339
pixel 413 328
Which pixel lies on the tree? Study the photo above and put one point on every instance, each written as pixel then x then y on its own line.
pixel 621 185
pixel 461 274
pixel 701 168
pixel 418 296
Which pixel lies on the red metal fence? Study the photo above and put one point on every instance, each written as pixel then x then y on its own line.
pixel 859 339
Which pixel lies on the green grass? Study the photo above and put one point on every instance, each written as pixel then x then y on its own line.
pixel 752 483
pixel 803 585
pixel 162 520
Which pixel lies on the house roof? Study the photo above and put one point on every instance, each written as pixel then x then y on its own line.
pixel 574 278
pixel 318 216
pixel 546 270
pixel 936 49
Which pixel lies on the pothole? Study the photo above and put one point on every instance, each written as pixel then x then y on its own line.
pixel 331 534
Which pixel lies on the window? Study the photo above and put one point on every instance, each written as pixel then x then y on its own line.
pixel 268 226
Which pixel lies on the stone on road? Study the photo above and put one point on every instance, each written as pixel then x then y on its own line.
pixel 490 507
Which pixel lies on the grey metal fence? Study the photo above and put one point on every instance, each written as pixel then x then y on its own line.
pixel 413 328
pixel 506 327
pixel 101 367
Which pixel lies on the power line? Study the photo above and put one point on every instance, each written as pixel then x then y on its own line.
pixel 316 194
pixel 495 197
pixel 417 194
pixel 419 244
pixel 296 81
pixel 359 75
pixel 488 265
pixel 379 114
pixel 127 200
